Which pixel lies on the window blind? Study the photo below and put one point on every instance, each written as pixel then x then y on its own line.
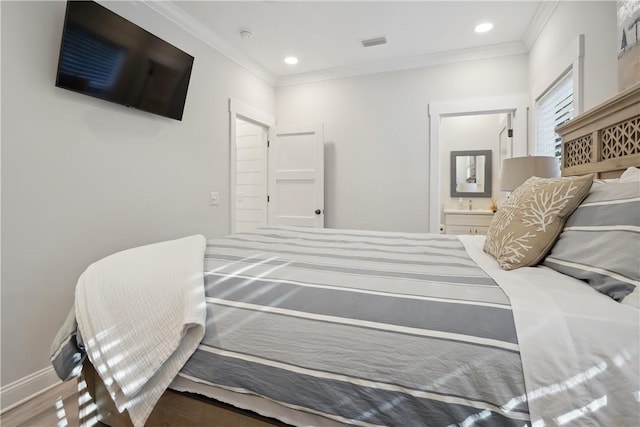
pixel 554 108
pixel 90 58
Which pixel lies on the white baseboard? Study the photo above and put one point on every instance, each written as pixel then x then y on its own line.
pixel 27 388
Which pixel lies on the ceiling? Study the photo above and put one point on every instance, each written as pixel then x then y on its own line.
pixel 326 35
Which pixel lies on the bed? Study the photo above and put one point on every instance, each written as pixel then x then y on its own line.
pixel 349 327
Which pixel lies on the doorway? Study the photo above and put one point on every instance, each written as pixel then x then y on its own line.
pixel 245 175
pixel 251 175
pixel 276 175
pixel 516 104
pixel 472 132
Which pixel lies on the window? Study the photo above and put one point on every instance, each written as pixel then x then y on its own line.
pixel 552 109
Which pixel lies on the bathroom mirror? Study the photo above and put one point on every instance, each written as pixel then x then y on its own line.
pixel 471 173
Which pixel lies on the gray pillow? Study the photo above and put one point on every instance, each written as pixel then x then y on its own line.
pixel 600 243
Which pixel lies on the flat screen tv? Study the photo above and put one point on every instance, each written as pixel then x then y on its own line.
pixel 105 56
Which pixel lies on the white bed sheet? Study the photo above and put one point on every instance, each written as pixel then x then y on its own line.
pixel 579 348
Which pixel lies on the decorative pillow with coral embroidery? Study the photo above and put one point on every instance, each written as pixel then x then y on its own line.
pixel 527 226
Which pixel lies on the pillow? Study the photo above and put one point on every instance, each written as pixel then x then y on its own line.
pixel 525 228
pixel 630 175
pixel 600 243
pixel 605 181
pixel 633 299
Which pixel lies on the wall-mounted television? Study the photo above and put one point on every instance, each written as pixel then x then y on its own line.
pixel 105 56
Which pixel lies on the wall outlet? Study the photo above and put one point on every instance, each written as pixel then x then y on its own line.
pixel 214 198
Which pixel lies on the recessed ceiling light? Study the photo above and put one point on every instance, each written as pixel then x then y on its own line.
pixel 291 60
pixel 484 27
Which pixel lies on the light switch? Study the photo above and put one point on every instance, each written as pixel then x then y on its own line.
pixel 214 198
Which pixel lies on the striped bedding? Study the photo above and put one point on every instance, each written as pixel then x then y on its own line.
pixel 600 242
pixel 363 328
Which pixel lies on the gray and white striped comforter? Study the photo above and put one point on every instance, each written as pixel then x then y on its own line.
pixel 365 328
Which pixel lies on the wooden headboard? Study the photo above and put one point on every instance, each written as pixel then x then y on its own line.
pixel 604 140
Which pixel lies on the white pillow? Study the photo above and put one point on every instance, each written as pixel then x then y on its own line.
pixel 630 175
pixel 605 181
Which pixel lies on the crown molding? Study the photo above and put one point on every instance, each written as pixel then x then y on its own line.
pixel 536 25
pixel 188 23
pixel 396 64
pixel 173 13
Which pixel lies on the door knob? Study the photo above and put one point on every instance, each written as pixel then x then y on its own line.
pixel 318 211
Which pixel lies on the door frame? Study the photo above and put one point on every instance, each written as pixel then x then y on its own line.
pixel 505 126
pixel 519 104
pixel 240 110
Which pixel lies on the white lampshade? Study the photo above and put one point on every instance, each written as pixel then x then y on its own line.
pixel 517 170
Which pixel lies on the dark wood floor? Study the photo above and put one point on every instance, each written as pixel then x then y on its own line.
pixel 72 404
pixel 59 407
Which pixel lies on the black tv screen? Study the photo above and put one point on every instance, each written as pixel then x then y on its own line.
pixel 105 56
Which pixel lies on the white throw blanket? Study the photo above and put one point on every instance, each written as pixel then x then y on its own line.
pixel 141 314
pixel 580 349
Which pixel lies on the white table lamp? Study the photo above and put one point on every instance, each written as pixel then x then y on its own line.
pixel 517 170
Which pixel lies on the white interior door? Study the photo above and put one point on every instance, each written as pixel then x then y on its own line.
pixel 296 176
pixel 251 176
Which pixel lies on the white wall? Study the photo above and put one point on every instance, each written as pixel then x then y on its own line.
pixel 376 129
pixel 549 54
pixel 83 178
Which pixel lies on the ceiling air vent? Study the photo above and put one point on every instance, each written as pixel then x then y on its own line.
pixel 374 42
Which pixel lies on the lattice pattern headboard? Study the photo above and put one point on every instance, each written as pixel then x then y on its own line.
pixel 604 140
